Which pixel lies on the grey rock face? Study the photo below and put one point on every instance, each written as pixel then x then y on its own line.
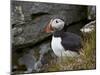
pixel 31 62
pixel 32 17
pixel 44 48
pixel 28 60
pixel 89 27
pixel 92 12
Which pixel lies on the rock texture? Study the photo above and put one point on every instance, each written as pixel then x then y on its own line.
pixel 91 12
pixel 29 18
pixel 89 27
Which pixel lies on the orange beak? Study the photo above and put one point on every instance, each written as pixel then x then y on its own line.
pixel 48 28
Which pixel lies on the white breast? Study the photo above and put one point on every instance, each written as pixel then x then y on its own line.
pixel 59 50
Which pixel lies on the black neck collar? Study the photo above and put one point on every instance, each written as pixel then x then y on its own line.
pixel 58 33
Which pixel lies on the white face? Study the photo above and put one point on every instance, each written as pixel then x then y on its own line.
pixel 57 24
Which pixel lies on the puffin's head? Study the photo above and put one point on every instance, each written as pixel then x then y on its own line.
pixel 54 25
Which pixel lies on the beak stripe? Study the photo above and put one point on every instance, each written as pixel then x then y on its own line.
pixel 48 28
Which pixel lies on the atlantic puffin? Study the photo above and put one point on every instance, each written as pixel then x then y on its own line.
pixel 63 43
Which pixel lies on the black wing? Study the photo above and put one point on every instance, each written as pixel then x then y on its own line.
pixel 71 41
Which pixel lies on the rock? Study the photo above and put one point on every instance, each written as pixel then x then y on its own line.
pixel 34 58
pixel 44 48
pixel 19 39
pixel 34 16
pixel 89 27
pixel 38 66
pixel 91 12
pixel 16 31
pixel 17 16
pixel 65 10
pixel 28 60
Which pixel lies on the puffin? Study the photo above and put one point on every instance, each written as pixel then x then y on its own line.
pixel 63 44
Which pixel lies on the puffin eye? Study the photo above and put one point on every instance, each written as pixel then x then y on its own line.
pixel 56 21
